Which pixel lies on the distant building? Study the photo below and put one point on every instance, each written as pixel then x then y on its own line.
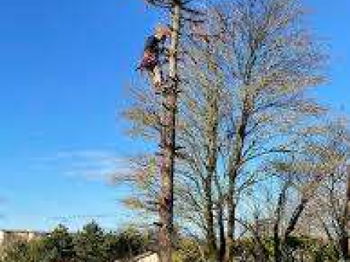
pixel 8 236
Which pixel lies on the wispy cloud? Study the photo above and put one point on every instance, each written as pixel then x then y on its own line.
pixel 92 165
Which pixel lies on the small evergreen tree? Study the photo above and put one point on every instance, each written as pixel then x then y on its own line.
pixel 129 243
pixel 59 245
pixel 90 244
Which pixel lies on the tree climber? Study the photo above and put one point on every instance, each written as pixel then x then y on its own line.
pixel 152 53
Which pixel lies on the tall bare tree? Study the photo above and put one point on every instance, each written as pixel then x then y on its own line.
pixel 271 64
pixel 168 120
pixel 263 63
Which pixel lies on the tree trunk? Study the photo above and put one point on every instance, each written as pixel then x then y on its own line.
pixel 276 228
pixel 211 129
pixel 233 173
pixel 231 209
pixel 222 247
pixel 346 223
pixel 295 217
pixel 168 144
pixel 221 223
pixel 209 219
pixel 231 204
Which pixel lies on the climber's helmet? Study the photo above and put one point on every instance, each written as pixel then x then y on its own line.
pixel 162 32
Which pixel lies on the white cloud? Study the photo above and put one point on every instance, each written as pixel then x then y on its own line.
pixel 94 165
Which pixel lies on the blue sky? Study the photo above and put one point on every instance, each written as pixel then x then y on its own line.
pixel 63 66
